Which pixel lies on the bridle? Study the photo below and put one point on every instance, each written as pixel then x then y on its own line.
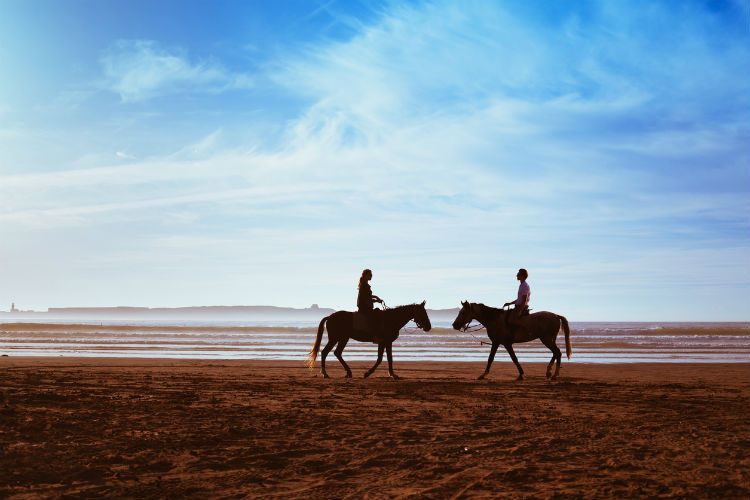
pixel 469 328
pixel 418 323
pixel 467 324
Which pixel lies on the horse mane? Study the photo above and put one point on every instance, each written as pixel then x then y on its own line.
pixel 490 312
pixel 404 306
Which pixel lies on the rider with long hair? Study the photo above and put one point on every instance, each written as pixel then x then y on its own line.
pixel 365 299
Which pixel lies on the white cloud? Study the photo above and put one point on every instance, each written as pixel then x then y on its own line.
pixel 442 144
pixel 141 69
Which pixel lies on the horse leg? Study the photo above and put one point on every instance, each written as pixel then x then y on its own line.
pixel 390 361
pixel 549 366
pixel 509 348
pixel 550 343
pixel 324 353
pixel 338 351
pixel 381 348
pixel 558 355
pixel 493 350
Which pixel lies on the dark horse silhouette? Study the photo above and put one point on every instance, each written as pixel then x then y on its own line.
pixel 541 325
pixel 340 330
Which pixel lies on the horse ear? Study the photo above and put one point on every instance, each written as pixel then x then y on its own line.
pixel 424 302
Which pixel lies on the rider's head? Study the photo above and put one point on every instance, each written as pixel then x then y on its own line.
pixel 366 275
pixel 522 274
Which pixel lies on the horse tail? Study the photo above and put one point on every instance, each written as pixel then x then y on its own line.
pixel 316 346
pixel 566 329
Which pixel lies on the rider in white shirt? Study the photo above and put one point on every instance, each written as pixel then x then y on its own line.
pixel 524 294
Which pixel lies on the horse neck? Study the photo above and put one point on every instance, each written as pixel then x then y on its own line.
pixel 487 314
pixel 401 315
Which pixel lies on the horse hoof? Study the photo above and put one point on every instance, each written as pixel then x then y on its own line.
pixel 554 378
pixel 481 377
pixel 348 375
pixel 325 375
pixel 367 374
pixel 395 377
pixel 520 377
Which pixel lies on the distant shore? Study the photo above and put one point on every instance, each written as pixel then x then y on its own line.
pixel 126 312
pixel 170 428
pixel 273 313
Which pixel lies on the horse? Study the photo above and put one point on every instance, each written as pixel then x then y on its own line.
pixel 542 325
pixel 340 330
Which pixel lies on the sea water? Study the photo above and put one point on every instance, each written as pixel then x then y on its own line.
pixel 592 342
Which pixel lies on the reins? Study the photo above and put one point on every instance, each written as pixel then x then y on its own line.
pixel 475 328
pixel 468 328
pixel 403 329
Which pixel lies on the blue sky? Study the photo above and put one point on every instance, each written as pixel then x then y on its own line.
pixel 226 153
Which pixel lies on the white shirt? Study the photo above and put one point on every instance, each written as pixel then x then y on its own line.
pixel 523 289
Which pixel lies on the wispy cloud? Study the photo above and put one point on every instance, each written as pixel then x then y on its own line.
pixel 142 69
pixel 443 144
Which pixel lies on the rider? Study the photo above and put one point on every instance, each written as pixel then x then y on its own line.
pixel 365 299
pixel 522 302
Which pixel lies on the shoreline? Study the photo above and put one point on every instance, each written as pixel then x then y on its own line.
pixel 176 428
pixel 413 371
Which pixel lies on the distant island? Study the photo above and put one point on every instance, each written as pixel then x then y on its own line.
pixel 269 313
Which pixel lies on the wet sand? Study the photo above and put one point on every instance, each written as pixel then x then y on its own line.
pixel 145 428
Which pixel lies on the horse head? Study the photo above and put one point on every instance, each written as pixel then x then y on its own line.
pixel 465 315
pixel 421 318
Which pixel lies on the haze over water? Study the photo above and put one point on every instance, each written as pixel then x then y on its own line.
pixel 593 342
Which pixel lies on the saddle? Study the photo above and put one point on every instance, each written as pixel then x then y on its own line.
pixel 524 312
pixel 371 323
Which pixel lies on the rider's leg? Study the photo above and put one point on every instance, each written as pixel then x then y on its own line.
pixel 376 326
pixel 515 317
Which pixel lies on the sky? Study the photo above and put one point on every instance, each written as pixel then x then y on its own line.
pixel 186 153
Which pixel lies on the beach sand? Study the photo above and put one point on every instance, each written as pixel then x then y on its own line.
pixel 146 428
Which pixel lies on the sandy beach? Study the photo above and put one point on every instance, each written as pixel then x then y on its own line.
pixel 150 428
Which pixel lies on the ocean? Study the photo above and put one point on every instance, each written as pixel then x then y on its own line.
pixel 592 342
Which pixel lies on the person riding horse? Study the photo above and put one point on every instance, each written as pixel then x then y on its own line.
pixel 365 299
pixel 521 304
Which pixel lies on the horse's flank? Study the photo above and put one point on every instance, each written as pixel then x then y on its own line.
pixel 535 322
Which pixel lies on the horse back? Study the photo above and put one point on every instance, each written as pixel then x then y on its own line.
pixel 544 323
pixel 539 325
pixel 340 321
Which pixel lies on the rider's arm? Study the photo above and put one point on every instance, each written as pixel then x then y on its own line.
pixel 525 301
pixel 375 298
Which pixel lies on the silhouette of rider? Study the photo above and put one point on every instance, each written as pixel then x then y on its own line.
pixel 365 299
pixel 521 302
